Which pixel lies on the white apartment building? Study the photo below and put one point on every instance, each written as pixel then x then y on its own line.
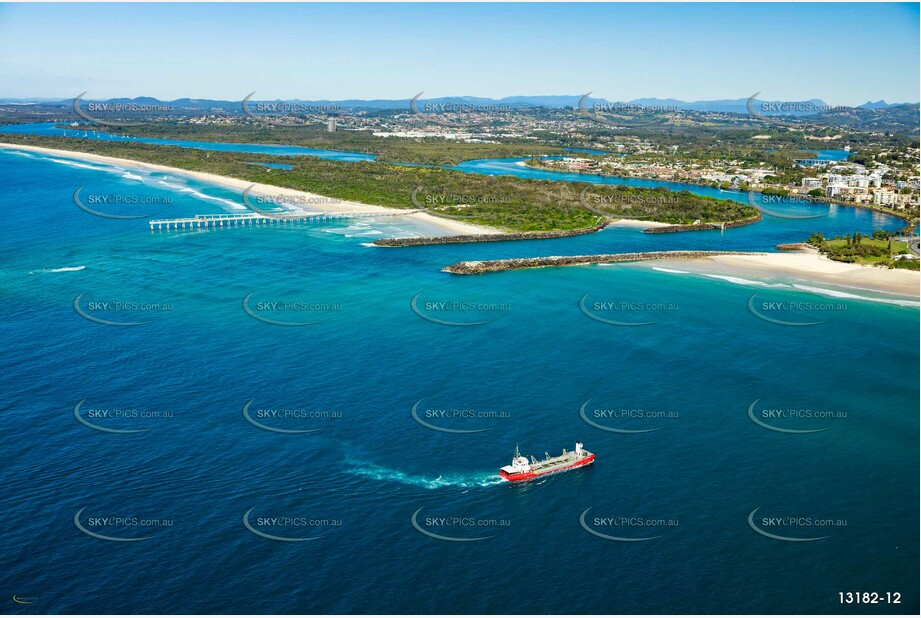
pixel 812 183
pixel 885 197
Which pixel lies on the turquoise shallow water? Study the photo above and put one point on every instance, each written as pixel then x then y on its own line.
pixel 356 374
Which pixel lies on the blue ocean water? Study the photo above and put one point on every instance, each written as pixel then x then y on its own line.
pixel 356 374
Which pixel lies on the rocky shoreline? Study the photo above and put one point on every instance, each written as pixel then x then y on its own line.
pixel 696 227
pixel 793 246
pixel 468 238
pixel 489 266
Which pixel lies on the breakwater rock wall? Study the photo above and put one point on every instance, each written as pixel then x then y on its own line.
pixel 489 266
pixel 793 246
pixel 696 227
pixel 467 238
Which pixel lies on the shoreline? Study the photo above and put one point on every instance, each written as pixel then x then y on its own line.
pixel 814 267
pixel 471 238
pixel 479 267
pixel 687 181
pixel 450 227
pixel 811 267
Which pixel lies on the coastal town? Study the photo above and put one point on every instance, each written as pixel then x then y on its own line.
pixel 490 309
pixel 880 184
pixel 874 174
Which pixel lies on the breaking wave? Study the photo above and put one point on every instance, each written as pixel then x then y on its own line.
pixel 741 281
pixel 670 270
pixel 841 294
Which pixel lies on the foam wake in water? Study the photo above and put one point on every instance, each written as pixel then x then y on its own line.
pixel 63 269
pixel 380 473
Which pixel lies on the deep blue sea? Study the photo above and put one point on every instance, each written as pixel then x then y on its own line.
pixel 690 415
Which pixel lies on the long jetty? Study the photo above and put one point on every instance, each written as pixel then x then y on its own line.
pixel 250 219
pixel 491 266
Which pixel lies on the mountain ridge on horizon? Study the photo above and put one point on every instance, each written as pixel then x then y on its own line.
pixel 511 102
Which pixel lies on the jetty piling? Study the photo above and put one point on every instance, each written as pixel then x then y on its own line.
pixel 249 219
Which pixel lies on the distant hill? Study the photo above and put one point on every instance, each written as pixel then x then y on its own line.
pixel 880 105
pixel 895 118
pixel 732 106
pixel 873 116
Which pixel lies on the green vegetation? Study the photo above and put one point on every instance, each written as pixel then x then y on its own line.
pixel 431 151
pixel 505 202
pixel 877 250
pixel 661 204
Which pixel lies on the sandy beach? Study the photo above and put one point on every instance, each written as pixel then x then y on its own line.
pixel 637 223
pixel 315 201
pixel 811 266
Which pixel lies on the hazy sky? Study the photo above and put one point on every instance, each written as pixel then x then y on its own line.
pixel 844 54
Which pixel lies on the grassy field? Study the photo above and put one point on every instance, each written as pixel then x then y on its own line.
pixel 857 249
pixel 881 249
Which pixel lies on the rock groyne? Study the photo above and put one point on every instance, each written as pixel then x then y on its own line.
pixel 489 266
pixel 468 238
pixel 696 227
pixel 793 246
